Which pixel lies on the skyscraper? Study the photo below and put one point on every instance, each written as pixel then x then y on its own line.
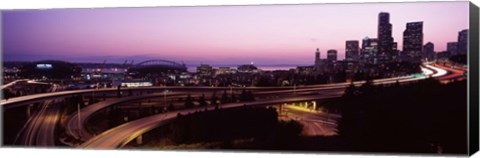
pixel 413 41
pixel 452 48
pixel 352 55
pixel 384 34
pixel 332 55
pixel 351 50
pixel 394 46
pixel 369 50
pixel 462 42
pixel 319 65
pixel 428 51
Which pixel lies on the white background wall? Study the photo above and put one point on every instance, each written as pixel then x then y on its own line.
pixel 74 153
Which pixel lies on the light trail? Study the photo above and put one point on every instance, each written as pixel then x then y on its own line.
pixel 440 72
pixel 121 135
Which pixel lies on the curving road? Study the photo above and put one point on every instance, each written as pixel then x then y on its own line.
pixel 25 100
pixel 453 73
pixel 12 83
pixel 73 124
pixel 121 135
pixel 72 128
pixel 315 123
pixel 46 118
pixel 40 127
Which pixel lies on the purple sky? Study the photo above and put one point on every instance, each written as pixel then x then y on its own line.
pixel 279 34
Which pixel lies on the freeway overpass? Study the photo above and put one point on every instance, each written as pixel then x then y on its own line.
pixel 12 83
pixel 123 134
pixel 76 124
pixel 323 90
pixel 39 130
pixel 29 99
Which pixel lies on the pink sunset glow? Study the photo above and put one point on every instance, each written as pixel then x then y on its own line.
pixel 278 34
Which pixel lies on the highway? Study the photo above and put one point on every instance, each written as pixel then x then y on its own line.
pixel 40 127
pixel 81 132
pixel 315 123
pixel 25 100
pixel 121 135
pixel 454 73
pixel 72 128
pixel 13 83
pixel 49 115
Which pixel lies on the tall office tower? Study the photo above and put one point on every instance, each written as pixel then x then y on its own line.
pixel 462 42
pixel 428 51
pixel 332 55
pixel 452 48
pixel 365 42
pixel 352 55
pixel 395 56
pixel 413 41
pixel 369 50
pixel 384 35
pixel 319 65
pixel 351 50
pixel 317 57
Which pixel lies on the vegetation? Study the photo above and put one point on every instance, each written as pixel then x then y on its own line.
pixel 228 129
pixel 424 117
pixel 461 59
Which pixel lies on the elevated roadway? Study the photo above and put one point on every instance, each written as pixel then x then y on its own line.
pixel 119 136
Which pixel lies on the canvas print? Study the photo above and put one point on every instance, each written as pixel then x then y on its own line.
pixel 364 77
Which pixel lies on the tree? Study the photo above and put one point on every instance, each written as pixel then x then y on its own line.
pixel 367 87
pixel 130 93
pixel 189 101
pixel 243 95
pixel 118 91
pixel 18 94
pixel 233 98
pixel 202 101
pixel 225 98
pixel 7 94
pixel 350 90
pixel 214 99
pixel 250 96
pixel 171 107
pixel 91 100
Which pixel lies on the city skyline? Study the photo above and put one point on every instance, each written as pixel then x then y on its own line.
pixel 283 34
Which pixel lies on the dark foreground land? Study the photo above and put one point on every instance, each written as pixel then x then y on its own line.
pixel 423 117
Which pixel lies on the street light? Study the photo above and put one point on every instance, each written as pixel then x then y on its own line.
pixel 165 97
pixel 314 105
pixel 79 122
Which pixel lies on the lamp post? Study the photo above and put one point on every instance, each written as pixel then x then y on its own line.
pixel 165 97
pixel 79 122
pixel 314 105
